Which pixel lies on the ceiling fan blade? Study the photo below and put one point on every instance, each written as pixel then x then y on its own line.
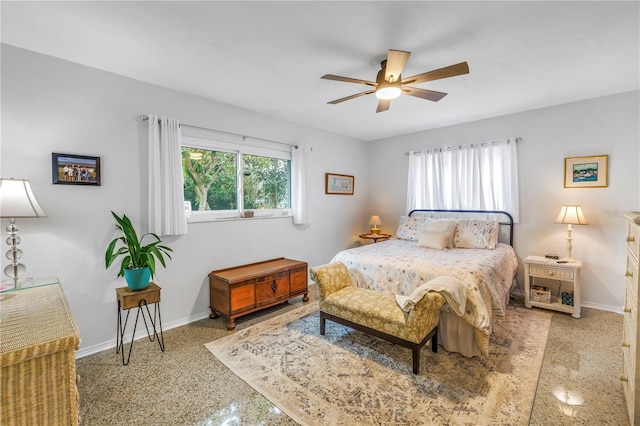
pixel 348 79
pixel 450 71
pixel 395 63
pixel 430 95
pixel 383 105
pixel 357 95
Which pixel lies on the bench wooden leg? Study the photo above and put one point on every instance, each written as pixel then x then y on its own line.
pixel 434 341
pixel 415 351
pixel 323 320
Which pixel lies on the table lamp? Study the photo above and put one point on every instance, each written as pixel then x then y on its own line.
pixel 375 221
pixel 571 214
pixel 16 201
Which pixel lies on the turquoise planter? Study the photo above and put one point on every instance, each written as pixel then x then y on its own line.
pixel 137 279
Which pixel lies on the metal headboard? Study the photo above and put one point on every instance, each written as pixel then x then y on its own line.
pixel 505 219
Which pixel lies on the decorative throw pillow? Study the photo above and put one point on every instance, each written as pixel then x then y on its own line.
pixel 442 225
pixel 434 240
pixel 476 234
pixel 408 228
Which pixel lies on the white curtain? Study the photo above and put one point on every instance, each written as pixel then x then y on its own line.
pixel 166 199
pixel 299 162
pixel 474 177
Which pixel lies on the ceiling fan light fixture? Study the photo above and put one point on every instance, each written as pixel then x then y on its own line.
pixel 389 92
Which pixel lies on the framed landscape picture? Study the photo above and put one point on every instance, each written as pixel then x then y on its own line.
pixel 338 184
pixel 71 169
pixel 586 172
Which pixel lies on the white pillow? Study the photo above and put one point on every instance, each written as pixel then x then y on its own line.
pixel 434 240
pixel 476 234
pixel 408 228
pixel 442 225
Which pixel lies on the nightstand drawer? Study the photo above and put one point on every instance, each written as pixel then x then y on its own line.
pixel 551 272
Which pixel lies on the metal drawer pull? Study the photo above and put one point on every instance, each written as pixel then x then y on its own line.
pixel 628 274
pixel 624 379
pixel 630 239
pixel 626 344
pixel 627 310
pixel 550 273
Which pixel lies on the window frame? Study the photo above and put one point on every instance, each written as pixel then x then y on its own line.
pixel 239 150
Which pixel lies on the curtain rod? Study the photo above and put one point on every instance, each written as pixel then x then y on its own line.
pixel 146 118
pixel 518 139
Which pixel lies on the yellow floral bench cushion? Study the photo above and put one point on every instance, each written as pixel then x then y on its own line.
pixel 373 309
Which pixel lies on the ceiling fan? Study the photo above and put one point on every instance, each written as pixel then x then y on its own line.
pixel 389 83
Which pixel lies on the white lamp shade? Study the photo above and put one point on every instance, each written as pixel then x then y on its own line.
pixel 17 199
pixel 571 214
pixel 375 220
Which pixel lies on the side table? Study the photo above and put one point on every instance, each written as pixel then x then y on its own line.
pixel 541 267
pixel 375 237
pixel 141 299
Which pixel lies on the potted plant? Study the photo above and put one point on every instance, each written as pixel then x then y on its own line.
pixel 138 264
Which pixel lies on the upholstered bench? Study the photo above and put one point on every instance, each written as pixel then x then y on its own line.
pixel 376 313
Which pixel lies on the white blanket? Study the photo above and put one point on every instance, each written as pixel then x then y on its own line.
pixel 454 290
pixel 464 299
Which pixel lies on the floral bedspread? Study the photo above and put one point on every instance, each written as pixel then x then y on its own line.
pixel 399 267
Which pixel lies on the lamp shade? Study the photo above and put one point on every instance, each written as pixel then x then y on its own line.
pixel 17 199
pixel 571 214
pixel 375 220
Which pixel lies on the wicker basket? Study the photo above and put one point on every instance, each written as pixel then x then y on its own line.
pixel 540 294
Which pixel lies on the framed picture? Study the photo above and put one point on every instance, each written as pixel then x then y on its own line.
pixel 586 172
pixel 71 169
pixel 338 184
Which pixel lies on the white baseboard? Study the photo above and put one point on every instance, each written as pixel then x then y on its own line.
pixel 110 344
pixel 517 293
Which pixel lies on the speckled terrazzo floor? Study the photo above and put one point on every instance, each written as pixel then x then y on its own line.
pixel 187 385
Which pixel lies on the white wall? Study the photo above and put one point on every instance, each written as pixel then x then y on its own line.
pixel 50 105
pixel 607 125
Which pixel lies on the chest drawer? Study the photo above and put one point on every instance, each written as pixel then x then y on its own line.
pixel 298 280
pixel 633 238
pixel 631 275
pixel 629 346
pixel 271 288
pixel 628 388
pixel 551 272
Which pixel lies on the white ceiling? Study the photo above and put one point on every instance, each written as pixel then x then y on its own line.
pixel 268 56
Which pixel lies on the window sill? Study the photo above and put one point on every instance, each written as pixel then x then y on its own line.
pixel 199 219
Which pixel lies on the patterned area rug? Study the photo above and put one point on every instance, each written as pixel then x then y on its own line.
pixel 347 377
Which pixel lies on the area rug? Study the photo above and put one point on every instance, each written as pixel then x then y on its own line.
pixel 347 377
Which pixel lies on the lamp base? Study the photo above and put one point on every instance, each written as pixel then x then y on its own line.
pixel 375 230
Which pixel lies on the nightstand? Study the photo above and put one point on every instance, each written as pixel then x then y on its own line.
pixel 375 237
pixel 550 269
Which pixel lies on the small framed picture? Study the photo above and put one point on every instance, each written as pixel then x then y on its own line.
pixel 71 169
pixel 338 184
pixel 586 172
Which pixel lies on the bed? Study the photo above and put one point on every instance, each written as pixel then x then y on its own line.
pixel 475 247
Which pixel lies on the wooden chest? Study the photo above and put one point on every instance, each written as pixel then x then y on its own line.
pixel 237 291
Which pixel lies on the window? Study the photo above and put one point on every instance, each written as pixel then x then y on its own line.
pixel 475 177
pixel 221 179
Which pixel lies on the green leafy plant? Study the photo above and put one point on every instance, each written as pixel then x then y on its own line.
pixel 135 254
